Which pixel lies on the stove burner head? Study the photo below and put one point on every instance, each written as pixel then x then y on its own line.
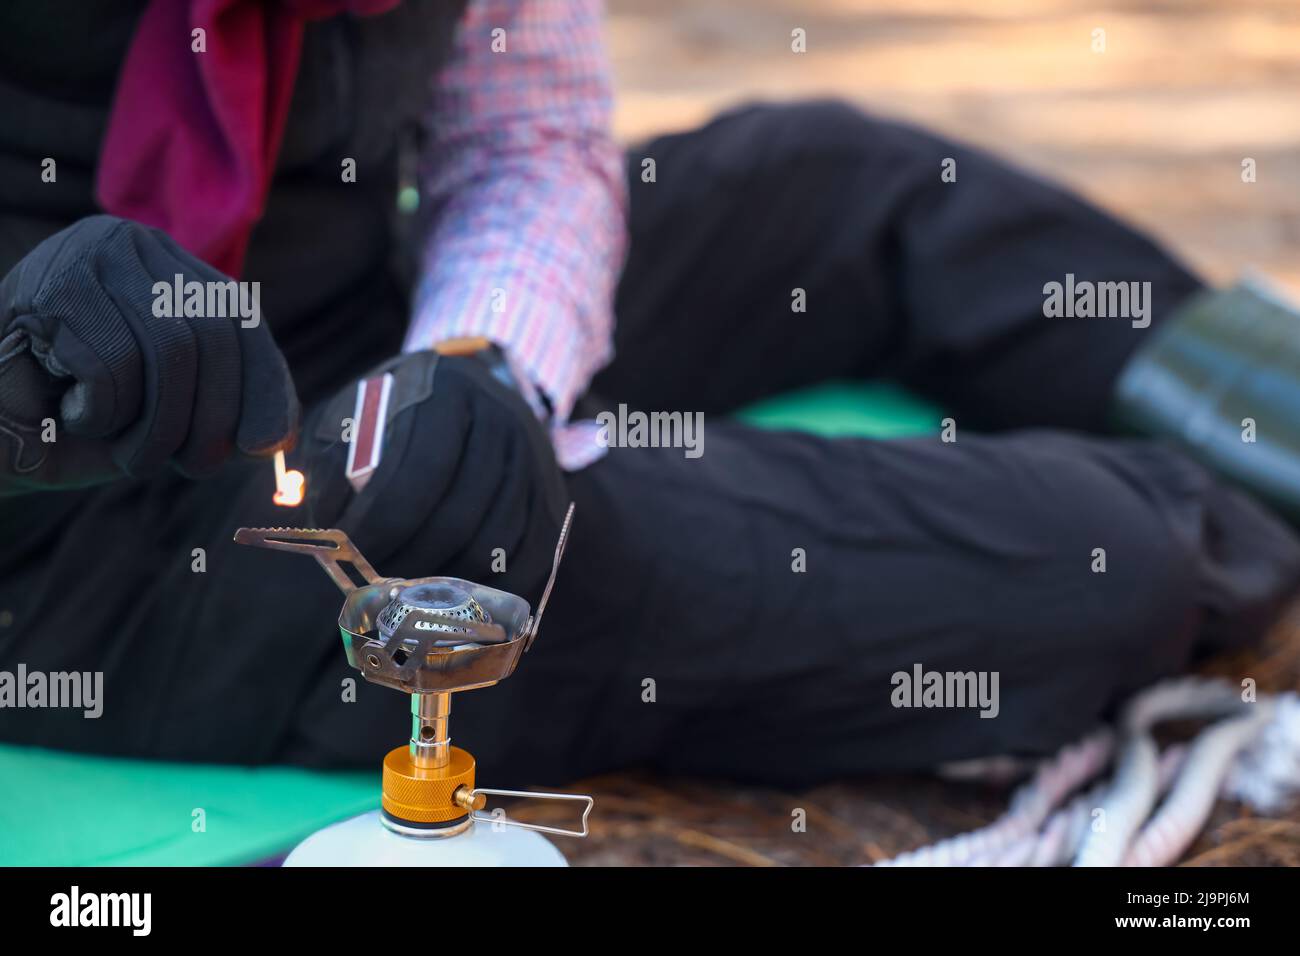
pixel 434 635
pixel 435 602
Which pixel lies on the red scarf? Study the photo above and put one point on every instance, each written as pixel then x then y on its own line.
pixel 192 139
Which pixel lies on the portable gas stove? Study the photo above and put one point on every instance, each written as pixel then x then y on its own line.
pixel 430 638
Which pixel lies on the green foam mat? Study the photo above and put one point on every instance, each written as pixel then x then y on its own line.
pixel 847 409
pixel 65 809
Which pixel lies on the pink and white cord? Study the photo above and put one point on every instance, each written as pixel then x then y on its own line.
pixel 1155 804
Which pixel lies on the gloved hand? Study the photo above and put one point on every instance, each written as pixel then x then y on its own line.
pixel 465 468
pixel 128 392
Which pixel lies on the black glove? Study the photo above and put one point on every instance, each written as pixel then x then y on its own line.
pixel 80 344
pixel 466 468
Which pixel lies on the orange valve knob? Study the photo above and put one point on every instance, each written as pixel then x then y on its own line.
pixel 426 795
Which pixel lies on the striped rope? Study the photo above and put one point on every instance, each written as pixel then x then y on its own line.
pixel 1156 803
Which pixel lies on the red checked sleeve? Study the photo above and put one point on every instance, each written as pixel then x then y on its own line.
pixel 527 193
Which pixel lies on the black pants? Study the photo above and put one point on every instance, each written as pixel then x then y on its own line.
pixel 680 635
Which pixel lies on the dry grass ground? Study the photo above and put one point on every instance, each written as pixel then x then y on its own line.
pixel 1155 129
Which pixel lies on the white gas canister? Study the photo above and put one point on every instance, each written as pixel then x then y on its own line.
pixel 367 840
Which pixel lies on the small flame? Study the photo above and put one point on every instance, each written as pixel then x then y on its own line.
pixel 290 485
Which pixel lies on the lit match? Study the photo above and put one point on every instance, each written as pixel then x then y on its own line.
pixel 290 485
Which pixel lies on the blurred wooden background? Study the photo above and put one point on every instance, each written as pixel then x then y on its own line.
pixel 1155 128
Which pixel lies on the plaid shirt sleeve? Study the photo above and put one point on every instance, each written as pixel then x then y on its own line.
pixel 527 192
